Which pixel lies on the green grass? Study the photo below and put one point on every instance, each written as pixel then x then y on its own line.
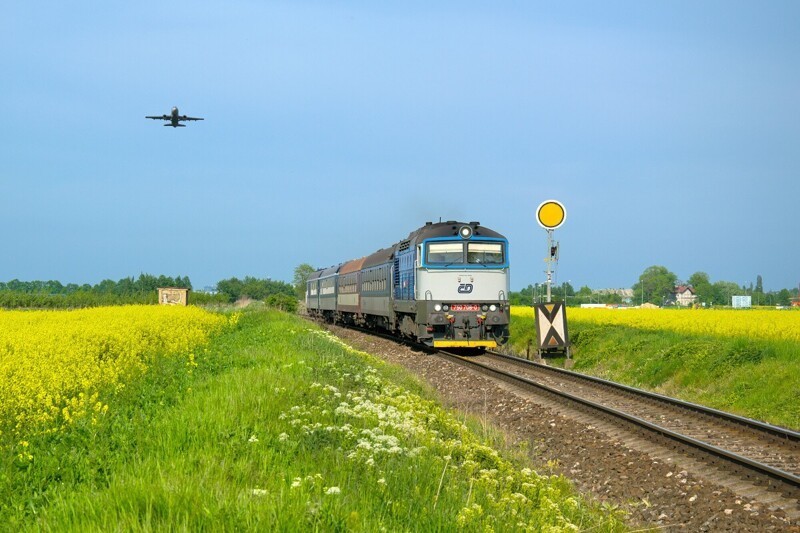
pixel 281 427
pixel 756 379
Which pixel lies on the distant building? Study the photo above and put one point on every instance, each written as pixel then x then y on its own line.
pixel 625 294
pixel 173 296
pixel 685 296
pixel 741 302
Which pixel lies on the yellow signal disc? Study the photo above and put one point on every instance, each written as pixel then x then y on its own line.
pixel 551 214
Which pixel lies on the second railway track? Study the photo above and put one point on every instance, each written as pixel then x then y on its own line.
pixel 762 454
pixel 640 465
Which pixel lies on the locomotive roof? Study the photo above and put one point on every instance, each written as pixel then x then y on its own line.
pixel 329 271
pixel 450 229
pixel 381 256
pixel 428 231
pixel 351 266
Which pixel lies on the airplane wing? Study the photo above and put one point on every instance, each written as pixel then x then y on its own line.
pixel 162 117
pixel 184 117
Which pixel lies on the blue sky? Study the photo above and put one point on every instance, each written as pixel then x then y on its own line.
pixel 670 131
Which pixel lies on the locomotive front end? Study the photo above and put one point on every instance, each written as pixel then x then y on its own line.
pixel 462 287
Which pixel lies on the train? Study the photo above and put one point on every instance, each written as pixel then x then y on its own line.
pixel 446 285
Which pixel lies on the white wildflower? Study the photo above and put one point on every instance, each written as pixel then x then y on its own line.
pixel 259 492
pixel 252 438
pixel 333 490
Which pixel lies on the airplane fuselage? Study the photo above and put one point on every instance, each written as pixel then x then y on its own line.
pixel 174 118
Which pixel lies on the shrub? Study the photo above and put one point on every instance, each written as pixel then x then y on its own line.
pixel 283 302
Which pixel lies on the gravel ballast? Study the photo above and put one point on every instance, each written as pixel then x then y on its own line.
pixel 654 487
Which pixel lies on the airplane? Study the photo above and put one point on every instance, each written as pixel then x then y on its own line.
pixel 174 118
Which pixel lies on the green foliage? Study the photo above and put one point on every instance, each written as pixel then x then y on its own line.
pixel 207 299
pixel 145 283
pixel 301 274
pixel 53 294
pixel 724 290
pixel 701 284
pixel 750 378
pixel 73 300
pixel 655 285
pixel 283 302
pixel 250 287
pixel 279 427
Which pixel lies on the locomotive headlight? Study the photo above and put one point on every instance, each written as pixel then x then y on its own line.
pixel 437 307
pixel 492 307
pixel 465 232
pixel 484 308
pixel 446 307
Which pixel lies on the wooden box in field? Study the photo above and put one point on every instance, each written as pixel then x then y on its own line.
pixel 173 296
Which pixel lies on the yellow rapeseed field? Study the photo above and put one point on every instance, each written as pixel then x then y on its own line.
pixel 54 365
pixel 752 323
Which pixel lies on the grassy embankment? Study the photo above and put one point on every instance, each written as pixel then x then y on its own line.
pixel 745 362
pixel 277 426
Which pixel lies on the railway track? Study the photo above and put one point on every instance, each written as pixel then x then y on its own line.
pixel 766 456
pixel 757 460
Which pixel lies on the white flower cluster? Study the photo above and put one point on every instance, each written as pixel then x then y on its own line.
pixel 371 421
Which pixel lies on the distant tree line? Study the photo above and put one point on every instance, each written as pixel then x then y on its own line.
pixel 125 286
pixel 54 294
pixel 255 288
pixel 656 285
pixel 141 290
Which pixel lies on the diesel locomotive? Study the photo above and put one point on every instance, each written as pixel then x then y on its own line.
pixel 445 285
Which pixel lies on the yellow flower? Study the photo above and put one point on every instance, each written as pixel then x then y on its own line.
pixel 754 323
pixel 53 364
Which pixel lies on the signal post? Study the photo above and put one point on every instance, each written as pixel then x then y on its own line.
pixel 551 317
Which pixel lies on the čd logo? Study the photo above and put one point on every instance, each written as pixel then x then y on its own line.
pixel 465 288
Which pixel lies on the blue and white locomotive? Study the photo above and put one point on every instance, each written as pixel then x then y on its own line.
pixel 445 285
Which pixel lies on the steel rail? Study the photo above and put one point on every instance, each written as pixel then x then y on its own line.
pixel 775 474
pixel 776 431
pixel 781 477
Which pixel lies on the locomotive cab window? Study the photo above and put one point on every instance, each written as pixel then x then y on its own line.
pixel 487 253
pixel 445 252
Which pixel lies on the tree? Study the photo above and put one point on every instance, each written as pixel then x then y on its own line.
pixel 758 293
pixel 702 287
pixel 284 302
pixel 784 297
pixel 257 289
pixel 655 284
pixel 301 275
pixel 724 290
pixel 566 286
pixel 523 297
pixel 232 288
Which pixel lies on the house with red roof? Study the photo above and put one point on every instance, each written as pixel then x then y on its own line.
pixel 684 295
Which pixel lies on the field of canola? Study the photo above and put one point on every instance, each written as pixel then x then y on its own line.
pixel 56 366
pixel 752 323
